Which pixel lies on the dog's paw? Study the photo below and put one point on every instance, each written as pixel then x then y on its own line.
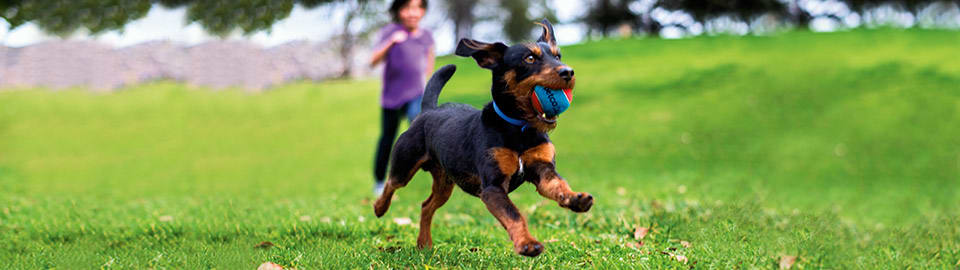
pixel 581 202
pixel 529 248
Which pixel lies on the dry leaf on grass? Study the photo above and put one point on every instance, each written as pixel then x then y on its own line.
pixel 402 221
pixel 165 218
pixel 640 232
pixel 635 245
pixel 551 240
pixel 685 244
pixel 270 266
pixel 264 244
pixel 787 261
pixel 680 258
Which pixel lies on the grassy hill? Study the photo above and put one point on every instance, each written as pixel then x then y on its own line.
pixel 841 148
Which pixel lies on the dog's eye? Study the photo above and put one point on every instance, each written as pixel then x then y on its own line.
pixel 530 59
pixel 558 57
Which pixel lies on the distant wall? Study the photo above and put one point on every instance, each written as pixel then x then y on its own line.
pixel 217 64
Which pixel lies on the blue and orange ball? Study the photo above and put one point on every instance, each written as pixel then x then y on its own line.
pixel 551 102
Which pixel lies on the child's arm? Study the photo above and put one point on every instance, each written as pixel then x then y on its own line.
pixel 431 55
pixel 379 54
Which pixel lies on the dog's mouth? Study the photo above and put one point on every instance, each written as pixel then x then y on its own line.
pixel 549 120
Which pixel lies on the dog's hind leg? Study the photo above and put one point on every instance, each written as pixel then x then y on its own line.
pixel 408 155
pixel 442 188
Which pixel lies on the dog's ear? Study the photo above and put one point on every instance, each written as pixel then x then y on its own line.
pixel 488 55
pixel 548 35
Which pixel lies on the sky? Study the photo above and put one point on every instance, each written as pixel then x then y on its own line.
pixel 303 24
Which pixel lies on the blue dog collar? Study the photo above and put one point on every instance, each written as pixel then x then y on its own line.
pixel 513 121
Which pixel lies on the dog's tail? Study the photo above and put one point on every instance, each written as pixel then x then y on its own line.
pixel 432 91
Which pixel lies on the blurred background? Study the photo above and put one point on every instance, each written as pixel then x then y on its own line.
pixel 254 44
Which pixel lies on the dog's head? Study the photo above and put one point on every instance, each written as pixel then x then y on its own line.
pixel 518 69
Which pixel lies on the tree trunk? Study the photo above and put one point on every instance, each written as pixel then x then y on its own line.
pixel 346 43
pixel 461 12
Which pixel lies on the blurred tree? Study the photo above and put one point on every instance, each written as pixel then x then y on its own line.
pixel 63 17
pixel 797 15
pixel 461 12
pixel 518 23
pixel 912 6
pixel 357 10
pixel 605 15
pixel 219 17
pixel 744 10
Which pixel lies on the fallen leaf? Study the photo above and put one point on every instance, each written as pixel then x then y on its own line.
pixel 621 191
pixel 270 266
pixel 473 249
pixel 787 261
pixel 655 204
pixel 685 244
pixel 390 249
pixel 640 232
pixel 552 240
pixel 165 218
pixel 402 221
pixel 264 244
pixel 680 258
pixel 635 245
pixel 305 218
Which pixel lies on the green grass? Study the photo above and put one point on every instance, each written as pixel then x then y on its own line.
pixel 842 149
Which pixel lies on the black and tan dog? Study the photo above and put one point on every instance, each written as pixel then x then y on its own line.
pixel 485 152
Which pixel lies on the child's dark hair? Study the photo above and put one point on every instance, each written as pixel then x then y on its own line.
pixel 398 4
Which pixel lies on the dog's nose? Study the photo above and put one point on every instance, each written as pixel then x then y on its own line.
pixel 566 73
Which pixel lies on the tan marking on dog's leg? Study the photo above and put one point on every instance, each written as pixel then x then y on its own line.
pixel 442 188
pixel 507 160
pixel 544 152
pixel 382 204
pixel 497 202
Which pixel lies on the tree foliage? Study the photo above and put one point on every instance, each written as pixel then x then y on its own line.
pixel 63 17
pixel 745 10
pixel 605 15
pixel 219 17
pixel 518 23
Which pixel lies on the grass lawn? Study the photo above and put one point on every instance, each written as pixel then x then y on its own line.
pixel 842 149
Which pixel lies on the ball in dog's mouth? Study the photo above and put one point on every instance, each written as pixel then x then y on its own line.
pixel 548 103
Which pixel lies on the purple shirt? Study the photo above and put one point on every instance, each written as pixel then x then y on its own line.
pixel 405 64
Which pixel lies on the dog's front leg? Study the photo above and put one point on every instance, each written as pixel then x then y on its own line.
pixel 541 171
pixel 495 179
pixel 496 200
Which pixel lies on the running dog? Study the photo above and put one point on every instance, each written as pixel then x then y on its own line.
pixel 490 152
